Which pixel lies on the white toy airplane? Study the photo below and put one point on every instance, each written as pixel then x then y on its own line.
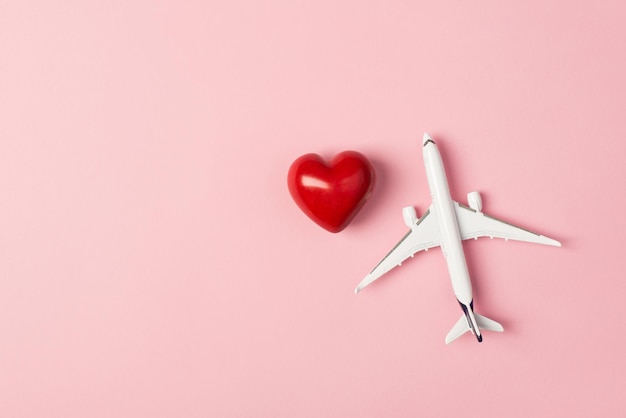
pixel 446 223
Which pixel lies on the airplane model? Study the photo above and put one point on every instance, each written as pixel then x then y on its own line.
pixel 446 223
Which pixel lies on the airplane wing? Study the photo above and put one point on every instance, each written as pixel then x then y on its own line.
pixel 474 224
pixel 422 236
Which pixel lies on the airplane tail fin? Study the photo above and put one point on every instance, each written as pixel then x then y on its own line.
pixel 463 325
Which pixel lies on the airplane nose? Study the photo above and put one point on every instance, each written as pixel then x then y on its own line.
pixel 427 139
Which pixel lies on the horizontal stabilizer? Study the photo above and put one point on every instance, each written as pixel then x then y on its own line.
pixel 462 326
pixel 488 324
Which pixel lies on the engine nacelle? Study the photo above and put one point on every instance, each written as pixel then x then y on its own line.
pixel 410 216
pixel 475 202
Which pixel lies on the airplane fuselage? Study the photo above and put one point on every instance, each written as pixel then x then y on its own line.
pixel 443 207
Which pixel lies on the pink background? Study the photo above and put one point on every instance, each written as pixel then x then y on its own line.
pixel 153 264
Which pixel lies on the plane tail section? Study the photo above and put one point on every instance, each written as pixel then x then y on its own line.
pixel 460 328
pixel 465 323
pixel 488 324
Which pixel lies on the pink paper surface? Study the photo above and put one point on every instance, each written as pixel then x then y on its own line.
pixel 153 264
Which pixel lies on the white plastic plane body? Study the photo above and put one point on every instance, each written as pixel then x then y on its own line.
pixel 446 224
pixel 443 210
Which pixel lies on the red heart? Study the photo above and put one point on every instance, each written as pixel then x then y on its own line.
pixel 331 194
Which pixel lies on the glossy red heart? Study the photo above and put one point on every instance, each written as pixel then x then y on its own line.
pixel 332 193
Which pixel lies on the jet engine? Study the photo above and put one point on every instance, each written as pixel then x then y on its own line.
pixel 475 202
pixel 410 216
